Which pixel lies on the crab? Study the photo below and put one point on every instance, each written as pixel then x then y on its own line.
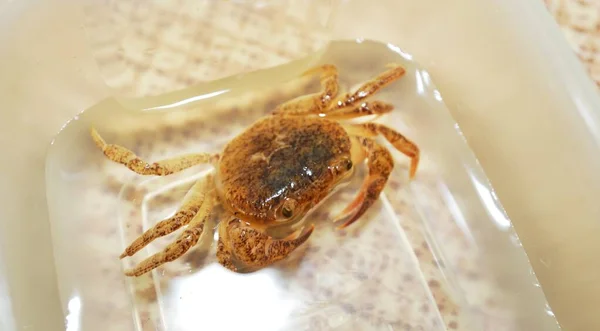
pixel 275 172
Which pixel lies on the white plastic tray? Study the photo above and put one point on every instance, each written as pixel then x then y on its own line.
pixel 47 81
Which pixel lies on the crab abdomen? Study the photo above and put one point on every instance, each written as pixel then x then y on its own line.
pixel 278 159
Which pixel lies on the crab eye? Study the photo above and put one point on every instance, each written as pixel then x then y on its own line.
pixel 348 164
pixel 286 212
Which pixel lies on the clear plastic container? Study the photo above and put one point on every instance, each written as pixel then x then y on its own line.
pixel 437 253
pixel 496 65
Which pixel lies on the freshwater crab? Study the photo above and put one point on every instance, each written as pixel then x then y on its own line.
pixel 274 172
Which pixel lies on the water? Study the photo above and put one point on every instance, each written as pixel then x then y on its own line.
pixel 436 253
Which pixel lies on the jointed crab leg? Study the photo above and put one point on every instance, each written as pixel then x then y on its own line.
pixel 190 207
pixel 380 164
pixel 397 140
pixel 126 157
pixel 368 89
pixel 188 238
pixel 327 101
pixel 317 102
pixel 364 109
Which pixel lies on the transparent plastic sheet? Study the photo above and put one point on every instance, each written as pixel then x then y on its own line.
pixel 433 254
pixel 453 263
pixel 160 46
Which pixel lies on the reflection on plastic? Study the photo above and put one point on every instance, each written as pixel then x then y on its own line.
pixel 419 81
pixel 189 100
pixel 549 311
pixel 235 301
pixel 397 49
pixel 6 314
pixel 74 315
pixel 490 201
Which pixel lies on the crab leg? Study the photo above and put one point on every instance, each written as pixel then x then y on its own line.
pixel 126 157
pixel 380 164
pixel 368 89
pixel 251 247
pixel 224 255
pixel 364 109
pixel 400 142
pixel 189 208
pixel 188 238
pixel 317 102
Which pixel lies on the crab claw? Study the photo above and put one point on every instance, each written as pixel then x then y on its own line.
pixel 279 249
pixel 242 245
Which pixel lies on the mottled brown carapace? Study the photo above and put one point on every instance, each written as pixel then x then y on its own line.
pixel 282 166
pixel 275 172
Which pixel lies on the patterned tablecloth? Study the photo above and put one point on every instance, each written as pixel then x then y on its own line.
pixel 580 22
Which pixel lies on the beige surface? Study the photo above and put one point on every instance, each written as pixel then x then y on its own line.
pixel 54 73
pixel 36 74
pixel 577 262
